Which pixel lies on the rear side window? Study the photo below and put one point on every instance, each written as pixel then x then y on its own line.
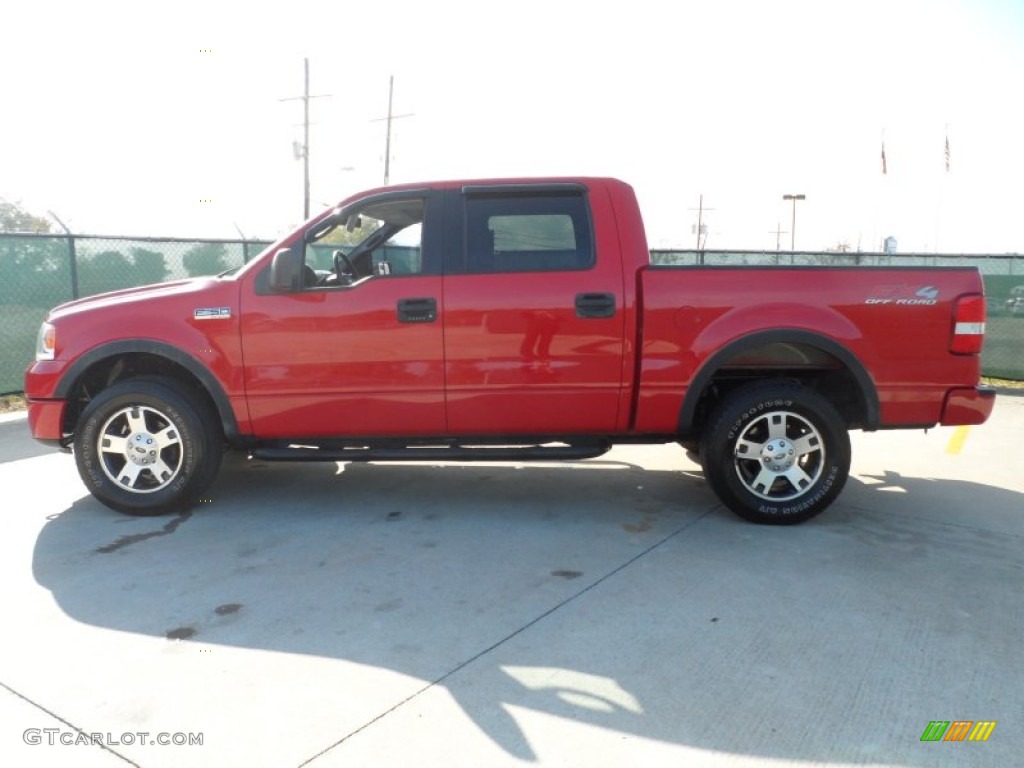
pixel 528 233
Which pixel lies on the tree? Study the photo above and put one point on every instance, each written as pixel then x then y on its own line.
pixel 104 271
pixel 343 236
pixel 149 266
pixel 13 218
pixel 34 271
pixel 319 254
pixel 205 259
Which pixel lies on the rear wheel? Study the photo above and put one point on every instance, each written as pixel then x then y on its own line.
pixel 776 453
pixel 144 448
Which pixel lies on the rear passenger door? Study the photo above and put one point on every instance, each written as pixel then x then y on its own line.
pixel 533 329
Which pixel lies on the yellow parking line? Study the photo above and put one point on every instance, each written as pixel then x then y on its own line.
pixel 956 442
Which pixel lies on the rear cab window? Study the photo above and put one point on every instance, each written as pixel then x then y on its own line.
pixel 529 230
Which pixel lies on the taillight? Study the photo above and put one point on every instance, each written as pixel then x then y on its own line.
pixel 968 325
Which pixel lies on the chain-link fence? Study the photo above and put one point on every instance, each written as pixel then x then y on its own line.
pixel 38 272
pixel 1003 274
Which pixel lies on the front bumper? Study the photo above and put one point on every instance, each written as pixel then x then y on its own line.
pixel 45 408
pixel 968 405
pixel 46 421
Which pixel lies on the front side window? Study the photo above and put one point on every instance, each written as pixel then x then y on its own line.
pixel 528 233
pixel 382 239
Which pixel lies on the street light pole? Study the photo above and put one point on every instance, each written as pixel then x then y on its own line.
pixel 792 227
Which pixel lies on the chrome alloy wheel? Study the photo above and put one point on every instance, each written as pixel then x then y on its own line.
pixel 140 449
pixel 779 456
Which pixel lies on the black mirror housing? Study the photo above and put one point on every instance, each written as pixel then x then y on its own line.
pixel 286 271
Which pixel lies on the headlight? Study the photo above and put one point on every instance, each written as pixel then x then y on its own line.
pixel 46 342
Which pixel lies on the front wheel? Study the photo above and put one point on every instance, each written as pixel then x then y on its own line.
pixel 144 448
pixel 776 453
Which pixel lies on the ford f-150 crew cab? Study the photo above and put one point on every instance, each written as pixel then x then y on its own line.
pixel 503 320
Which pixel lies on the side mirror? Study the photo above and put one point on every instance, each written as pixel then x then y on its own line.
pixel 286 271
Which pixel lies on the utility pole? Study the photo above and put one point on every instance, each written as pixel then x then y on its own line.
pixel 391 117
pixel 777 232
pixel 305 97
pixel 701 227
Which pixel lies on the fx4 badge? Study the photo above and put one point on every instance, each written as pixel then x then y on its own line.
pixel 903 294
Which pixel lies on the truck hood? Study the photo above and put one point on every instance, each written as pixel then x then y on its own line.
pixel 147 293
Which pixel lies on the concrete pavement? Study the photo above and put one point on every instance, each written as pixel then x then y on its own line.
pixel 603 613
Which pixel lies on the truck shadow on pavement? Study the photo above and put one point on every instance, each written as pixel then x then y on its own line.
pixel 599 592
pixel 16 444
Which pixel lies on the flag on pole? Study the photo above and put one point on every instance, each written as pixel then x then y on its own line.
pixel 947 152
pixel 885 170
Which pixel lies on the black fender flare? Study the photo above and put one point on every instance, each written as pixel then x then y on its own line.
pixel 711 366
pixel 112 349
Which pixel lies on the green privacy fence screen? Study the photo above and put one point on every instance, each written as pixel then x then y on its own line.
pixel 40 271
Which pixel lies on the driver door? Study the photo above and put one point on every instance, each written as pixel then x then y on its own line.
pixel 353 355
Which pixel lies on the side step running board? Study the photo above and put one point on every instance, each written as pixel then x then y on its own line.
pixel 557 452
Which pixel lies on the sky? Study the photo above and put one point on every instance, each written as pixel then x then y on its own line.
pixel 168 120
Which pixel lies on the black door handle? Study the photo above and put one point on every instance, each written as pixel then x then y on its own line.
pixel 417 310
pixel 595 305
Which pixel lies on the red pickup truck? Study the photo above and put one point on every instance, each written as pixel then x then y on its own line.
pixel 503 320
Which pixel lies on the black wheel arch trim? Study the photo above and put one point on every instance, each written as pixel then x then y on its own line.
pixel 869 395
pixel 112 349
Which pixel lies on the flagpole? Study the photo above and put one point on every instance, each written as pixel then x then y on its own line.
pixel 880 202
